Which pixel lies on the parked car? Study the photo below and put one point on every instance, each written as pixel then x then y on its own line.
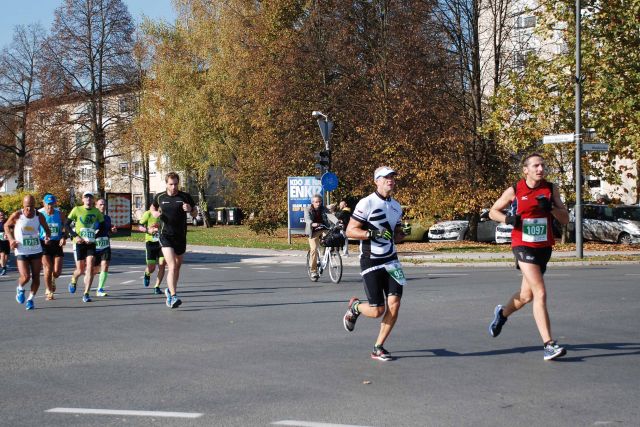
pixel 197 220
pixel 414 230
pixel 488 230
pixel 605 223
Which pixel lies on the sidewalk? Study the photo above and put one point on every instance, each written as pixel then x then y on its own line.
pixel 428 259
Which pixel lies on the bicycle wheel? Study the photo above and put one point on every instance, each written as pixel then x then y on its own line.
pixel 311 277
pixel 335 265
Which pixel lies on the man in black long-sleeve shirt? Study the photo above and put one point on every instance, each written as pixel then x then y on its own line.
pixel 171 207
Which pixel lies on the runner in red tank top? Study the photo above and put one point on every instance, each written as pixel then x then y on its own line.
pixel 534 203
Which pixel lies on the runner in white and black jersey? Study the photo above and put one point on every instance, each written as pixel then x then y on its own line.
pixel 376 222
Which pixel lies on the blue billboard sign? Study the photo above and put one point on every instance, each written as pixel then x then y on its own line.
pixel 300 189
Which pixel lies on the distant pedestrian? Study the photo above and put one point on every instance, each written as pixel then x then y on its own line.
pixel 318 220
pixel 344 215
pixel 102 257
pixel 5 249
pixel 533 203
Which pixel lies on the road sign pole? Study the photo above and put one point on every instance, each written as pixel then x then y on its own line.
pixel 578 89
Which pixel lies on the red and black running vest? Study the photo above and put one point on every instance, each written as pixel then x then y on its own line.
pixel 534 229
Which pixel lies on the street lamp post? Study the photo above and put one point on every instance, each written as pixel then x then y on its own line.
pixel 326 126
pixel 578 135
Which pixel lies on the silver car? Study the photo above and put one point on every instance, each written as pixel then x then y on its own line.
pixel 615 224
pixel 488 230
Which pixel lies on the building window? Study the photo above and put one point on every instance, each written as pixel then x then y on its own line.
pixel 525 22
pixel 137 168
pixel 152 167
pixel 137 202
pixel 126 104
pixel 594 183
pixel 124 168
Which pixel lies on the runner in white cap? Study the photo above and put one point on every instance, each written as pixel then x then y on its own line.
pixel 376 222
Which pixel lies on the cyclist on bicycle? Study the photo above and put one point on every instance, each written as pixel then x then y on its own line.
pixel 318 220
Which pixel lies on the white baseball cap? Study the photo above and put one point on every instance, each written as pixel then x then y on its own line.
pixel 383 172
pixel 87 193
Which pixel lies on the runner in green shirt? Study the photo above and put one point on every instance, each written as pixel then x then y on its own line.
pixel 88 219
pixel 150 225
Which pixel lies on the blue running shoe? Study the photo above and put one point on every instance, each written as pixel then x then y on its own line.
pixel 20 295
pixel 146 281
pixel 86 298
pixel 72 288
pixel 168 295
pixel 175 301
pixel 553 350
pixel 30 305
pixel 3 271
pixel 157 290
pixel 498 321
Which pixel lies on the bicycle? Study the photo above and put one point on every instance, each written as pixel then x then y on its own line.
pixel 331 258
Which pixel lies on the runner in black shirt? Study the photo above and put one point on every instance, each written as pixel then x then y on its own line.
pixel 171 208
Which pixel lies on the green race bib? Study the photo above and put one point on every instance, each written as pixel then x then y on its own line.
pixel 1 235
pixel 88 234
pixel 30 242
pixel 54 228
pixel 394 268
pixel 102 242
pixel 534 230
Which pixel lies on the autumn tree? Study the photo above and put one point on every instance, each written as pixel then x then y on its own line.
pixel 89 54
pixel 539 100
pixel 19 87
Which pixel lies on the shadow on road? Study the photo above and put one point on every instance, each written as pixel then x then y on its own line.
pixel 573 351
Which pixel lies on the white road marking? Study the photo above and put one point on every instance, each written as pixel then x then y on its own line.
pixel 201 268
pixel 121 412
pixel 229 267
pixel 447 274
pixel 128 281
pixel 310 424
pixel 632 274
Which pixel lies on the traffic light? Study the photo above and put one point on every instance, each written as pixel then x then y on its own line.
pixel 324 162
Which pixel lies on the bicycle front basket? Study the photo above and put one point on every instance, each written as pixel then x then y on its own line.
pixel 333 240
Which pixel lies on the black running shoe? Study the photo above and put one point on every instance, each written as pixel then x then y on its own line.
pixel 350 317
pixel 552 350
pixel 498 321
pixel 379 353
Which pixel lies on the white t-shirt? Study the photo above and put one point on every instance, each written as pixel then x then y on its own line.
pixel 378 213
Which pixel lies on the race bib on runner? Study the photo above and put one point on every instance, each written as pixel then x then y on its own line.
pixel 102 242
pixel 1 235
pixel 55 229
pixel 88 234
pixel 394 268
pixel 155 237
pixel 30 242
pixel 534 230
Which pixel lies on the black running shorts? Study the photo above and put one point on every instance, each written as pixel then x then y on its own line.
pixel 378 284
pixel 153 252
pixel 537 256
pixel 103 255
pixel 82 251
pixel 4 247
pixel 179 244
pixel 53 249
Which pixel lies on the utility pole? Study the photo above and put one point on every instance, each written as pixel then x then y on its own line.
pixel 578 136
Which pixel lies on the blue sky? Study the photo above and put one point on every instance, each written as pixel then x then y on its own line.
pixel 23 12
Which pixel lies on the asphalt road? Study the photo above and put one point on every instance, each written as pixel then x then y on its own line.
pixel 258 344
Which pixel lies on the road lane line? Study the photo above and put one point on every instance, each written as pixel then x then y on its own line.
pixel 201 268
pixel 128 281
pixel 122 412
pixel 310 424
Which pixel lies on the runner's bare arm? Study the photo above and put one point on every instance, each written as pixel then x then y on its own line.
pixel 502 203
pixel 356 230
pixel 559 210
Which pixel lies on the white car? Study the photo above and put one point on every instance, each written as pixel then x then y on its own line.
pixel 488 230
pixel 449 230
